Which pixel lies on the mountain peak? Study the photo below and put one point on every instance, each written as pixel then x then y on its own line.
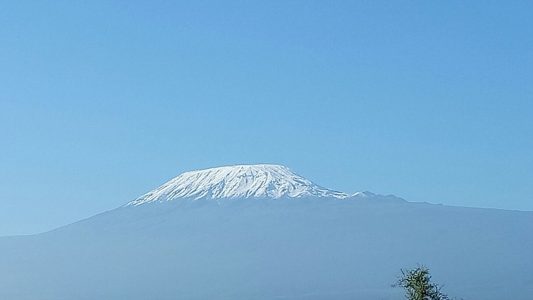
pixel 238 181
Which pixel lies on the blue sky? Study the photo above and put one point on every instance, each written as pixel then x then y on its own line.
pixel 101 101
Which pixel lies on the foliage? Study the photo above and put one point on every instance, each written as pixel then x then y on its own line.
pixel 418 286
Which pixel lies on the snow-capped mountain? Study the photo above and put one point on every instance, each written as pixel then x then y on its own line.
pixel 280 237
pixel 240 181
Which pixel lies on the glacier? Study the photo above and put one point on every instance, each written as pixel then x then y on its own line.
pixel 240 181
pixel 263 232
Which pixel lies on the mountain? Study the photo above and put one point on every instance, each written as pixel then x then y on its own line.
pixel 263 232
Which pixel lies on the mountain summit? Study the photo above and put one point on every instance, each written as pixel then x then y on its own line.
pixel 239 181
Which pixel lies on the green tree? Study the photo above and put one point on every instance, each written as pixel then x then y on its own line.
pixel 418 286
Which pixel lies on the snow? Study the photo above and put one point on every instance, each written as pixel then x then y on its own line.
pixel 239 181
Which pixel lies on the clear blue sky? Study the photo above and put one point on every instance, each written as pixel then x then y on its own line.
pixel 100 101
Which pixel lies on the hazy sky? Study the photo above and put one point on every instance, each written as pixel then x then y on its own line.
pixel 101 101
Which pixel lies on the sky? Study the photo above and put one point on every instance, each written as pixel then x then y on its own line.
pixel 102 101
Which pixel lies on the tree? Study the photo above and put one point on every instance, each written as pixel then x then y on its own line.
pixel 418 286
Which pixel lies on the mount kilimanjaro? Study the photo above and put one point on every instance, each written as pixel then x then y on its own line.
pixel 264 232
pixel 243 181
